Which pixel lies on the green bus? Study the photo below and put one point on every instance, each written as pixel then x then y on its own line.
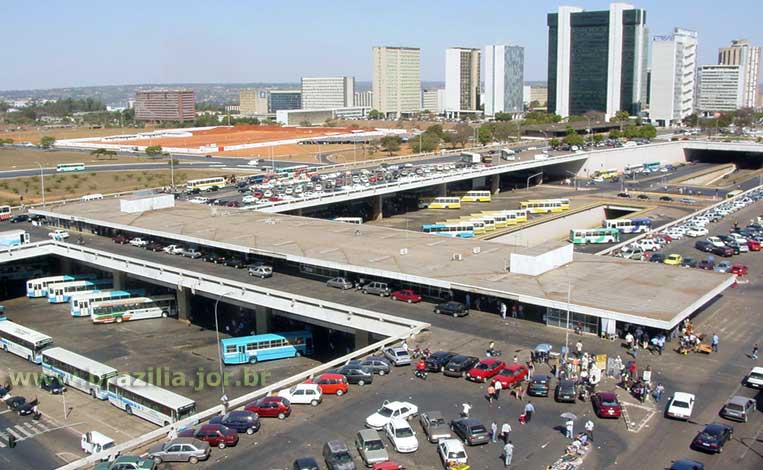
pixel 594 235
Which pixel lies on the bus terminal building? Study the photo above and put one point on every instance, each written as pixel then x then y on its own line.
pixel 604 295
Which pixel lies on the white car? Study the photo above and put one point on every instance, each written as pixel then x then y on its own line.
pixel 303 394
pixel 451 450
pixel 738 238
pixel 59 234
pixel 199 200
pixel 254 162
pixel 139 242
pixel 675 234
pixel 648 244
pixel 389 411
pixel 402 436
pixel 755 378
pixel 716 242
pixel 173 249
pixel 249 199
pixel 680 406
pixel 696 232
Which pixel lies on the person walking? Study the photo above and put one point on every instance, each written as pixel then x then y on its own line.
pixel 634 349
pixel 173 434
pixel 628 340
pixel 589 430
pixel 493 432
pixel 658 391
pixel 505 432
pixel 490 394
pixel 568 428
pixel 579 349
pixel 498 387
pixel 755 352
pixel 716 340
pixel 465 409
pixel 503 310
pixel 508 454
pixel 529 410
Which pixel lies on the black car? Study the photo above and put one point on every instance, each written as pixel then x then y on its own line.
pixel 20 405
pixel 470 430
pixel 19 218
pixel 704 245
pixel 713 438
pixel 565 391
pixel 457 309
pixel 235 262
pixel 724 251
pixel 623 195
pixel 685 464
pixel 706 264
pixel 355 374
pixel 689 262
pixel 376 364
pixel 240 421
pixel 643 196
pixel 37 218
pixel 657 258
pixel 216 258
pixel 459 365
pixel 305 463
pixel 539 386
pixel 437 360
pixel 51 384
pixel 666 198
pixel 154 246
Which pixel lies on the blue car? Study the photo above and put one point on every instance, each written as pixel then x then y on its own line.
pixel 240 421
pixel 713 438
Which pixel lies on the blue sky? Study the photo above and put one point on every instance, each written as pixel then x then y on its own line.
pixel 78 43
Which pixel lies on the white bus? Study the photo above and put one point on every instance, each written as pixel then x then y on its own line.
pixel 23 341
pixel 5 212
pixel 349 220
pixel 137 308
pixel 78 371
pixel 80 303
pixel 147 401
pixel 477 196
pixel 445 203
pixel 39 287
pixel 61 292
pixel 629 225
pixel 70 167
pixel 205 184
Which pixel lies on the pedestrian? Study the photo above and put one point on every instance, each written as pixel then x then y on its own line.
pixel 529 410
pixel 589 430
pixel 498 387
pixel 173 434
pixel 516 358
pixel 503 310
pixel 465 409
pixel 629 340
pixel 579 349
pixel 514 311
pixel 634 350
pixel 568 428
pixel 505 432
pixel 490 394
pixel 404 345
pixel 530 370
pixel 520 311
pixel 468 301
pixel 493 432
pixel 658 391
pixel 508 454
pixel 716 340
pixel 755 352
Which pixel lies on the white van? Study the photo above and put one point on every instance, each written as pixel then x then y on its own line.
pixel 94 442
pixel 92 197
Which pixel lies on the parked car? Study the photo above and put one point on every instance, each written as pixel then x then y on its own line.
pixel 303 394
pixel 606 405
pixel 397 356
pixel 376 288
pixel 370 447
pixel 339 283
pixel 52 384
pixel 510 375
pixel 154 246
pixel 139 242
pixel 337 456
pixel 127 462
pixel 406 295
pixel 389 411
pixel 680 406
pixel 657 258
pixel 674 259
pixel 459 365
pixel 402 436
pixel 305 463
pixel 713 437
pixel 565 392
pixel 19 218
pixel 686 464
pixel 376 364
pixel 451 451
pixel 716 241
pixel 182 449
pixel 59 234
pixel 192 253
pixel 235 262
pixel 470 430
pixel 723 267
pixel 724 251
pixel 120 240
pixel 216 435
pixel 173 249
pixel 434 425
pixel 485 370
pixel 270 407
pixel 456 309
pixel 739 269
pixel 738 408
pixel 437 360
pixel 239 421
pixel 540 386
pixel 706 264
pixel 704 245
pixel 689 262
pixel 260 271
pixel 755 378
pixel 356 374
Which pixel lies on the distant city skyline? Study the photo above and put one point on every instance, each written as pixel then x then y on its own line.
pixel 85 44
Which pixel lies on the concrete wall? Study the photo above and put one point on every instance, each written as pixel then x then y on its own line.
pixel 542 263
pixel 670 152
pixel 556 229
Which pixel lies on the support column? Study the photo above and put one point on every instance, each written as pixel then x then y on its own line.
pixel 495 184
pixel 442 190
pixel 299 212
pixel 376 209
pixel 263 320
pixel 120 280
pixel 362 339
pixel 184 304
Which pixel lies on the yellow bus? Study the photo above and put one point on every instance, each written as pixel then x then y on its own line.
pixel 477 225
pixel 486 219
pixel 476 196
pixel 733 193
pixel 206 184
pixel 499 217
pixel 606 174
pixel 544 206
pixel 445 203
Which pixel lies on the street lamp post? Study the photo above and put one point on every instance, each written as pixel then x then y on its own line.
pixel 567 334
pixel 42 183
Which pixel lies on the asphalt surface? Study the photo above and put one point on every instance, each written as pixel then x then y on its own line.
pixel 43 444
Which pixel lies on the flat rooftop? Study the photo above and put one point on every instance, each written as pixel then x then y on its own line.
pixel 607 287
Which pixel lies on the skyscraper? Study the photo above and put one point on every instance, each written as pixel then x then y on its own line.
pixel 253 102
pixel 597 60
pixel 462 79
pixel 327 92
pixel 720 89
pixel 748 58
pixel 504 79
pixel 397 80
pixel 165 105
pixel 674 66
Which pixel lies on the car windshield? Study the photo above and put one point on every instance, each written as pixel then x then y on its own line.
pixel 483 366
pixel 756 375
pixel 680 404
pixel 734 407
pixel 343 457
pixel 404 432
pixel 477 429
pixel 436 422
pixel 375 445
pixel 457 455
pixel 610 402
pixel 706 436
pixel 386 412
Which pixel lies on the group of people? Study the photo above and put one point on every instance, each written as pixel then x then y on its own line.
pixel 642 340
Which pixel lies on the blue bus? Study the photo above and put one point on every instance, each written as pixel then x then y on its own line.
pixel 61 292
pixel 252 349
pixel 454 230
pixel 39 287
pixel 80 304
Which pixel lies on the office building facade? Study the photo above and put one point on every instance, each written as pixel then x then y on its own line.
pixel 279 100
pixel 597 60
pixel 253 102
pixel 672 82
pixel 746 56
pixel 504 79
pixel 397 80
pixel 462 79
pixel 327 92
pixel 363 98
pixel 165 105
pixel 433 100
pixel 720 88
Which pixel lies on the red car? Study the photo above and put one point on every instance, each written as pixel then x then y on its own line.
pixel 485 369
pixel 753 245
pixel 233 204
pixel 120 240
pixel 215 434
pixel 606 405
pixel 405 295
pixel 739 269
pixel 274 199
pixel 270 407
pixel 664 236
pixel 331 384
pixel 511 374
pixel 389 465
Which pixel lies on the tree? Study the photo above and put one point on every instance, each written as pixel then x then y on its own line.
pixel 425 142
pixel 47 141
pixel 621 116
pixel 554 142
pixel 153 150
pixel 502 116
pixel 305 124
pixel 435 129
pixel 374 114
pixel 575 118
pixel 647 132
pixel 691 120
pixel 485 134
pixel 597 138
pixel 391 143
pixel 615 134
pixel 6 142
pixel 574 139
pixel 461 134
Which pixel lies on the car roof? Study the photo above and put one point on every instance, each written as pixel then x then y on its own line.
pixel 513 366
pixel 399 423
pixel 452 444
pixel 187 440
pixel 368 434
pixel 757 370
pixel 739 400
pixel 396 404
pixel 716 427
pixel 540 377
pixel 607 395
pixel 337 446
pixel 683 396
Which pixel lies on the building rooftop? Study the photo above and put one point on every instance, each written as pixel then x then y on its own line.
pixel 608 287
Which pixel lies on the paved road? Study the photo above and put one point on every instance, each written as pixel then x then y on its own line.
pixel 43 444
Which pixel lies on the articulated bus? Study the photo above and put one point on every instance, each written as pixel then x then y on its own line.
pixel 476 196
pixel 445 203
pixel 455 230
pixel 22 341
pixel 544 206
pixel 61 167
pixel 206 184
pixel 61 292
pixel 39 287
pixel 253 349
pixel 5 212
pixel 594 235
pixel 78 371
pixel 80 303
pixel 152 403
pixel 137 308
pixel 629 225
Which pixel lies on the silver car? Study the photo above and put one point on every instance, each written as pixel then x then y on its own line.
pixel 182 449
pixel 738 408
pixel 398 356
pixel 377 288
pixel 370 447
pixel 434 425
pixel 339 283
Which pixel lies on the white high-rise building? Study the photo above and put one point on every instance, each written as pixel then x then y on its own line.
pixel 748 57
pixel 720 88
pixel 327 92
pixel 504 79
pixel 674 66
pixel 462 79
pixel 364 98
pixel 433 101
pixel 397 80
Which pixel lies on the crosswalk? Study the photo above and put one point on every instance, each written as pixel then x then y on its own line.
pixel 26 430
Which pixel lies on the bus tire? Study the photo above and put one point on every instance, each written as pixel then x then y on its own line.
pixel 193 460
pixel 92 393
pixel 119 320
pixel 128 410
pixel 253 360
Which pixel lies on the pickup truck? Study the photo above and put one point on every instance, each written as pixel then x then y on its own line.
pixel 173 249
pixel 59 234
pixel 139 242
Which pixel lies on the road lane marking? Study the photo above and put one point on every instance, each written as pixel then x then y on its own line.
pixel 11 431
pixel 21 429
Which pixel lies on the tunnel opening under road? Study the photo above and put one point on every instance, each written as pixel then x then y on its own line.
pixel 743 160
